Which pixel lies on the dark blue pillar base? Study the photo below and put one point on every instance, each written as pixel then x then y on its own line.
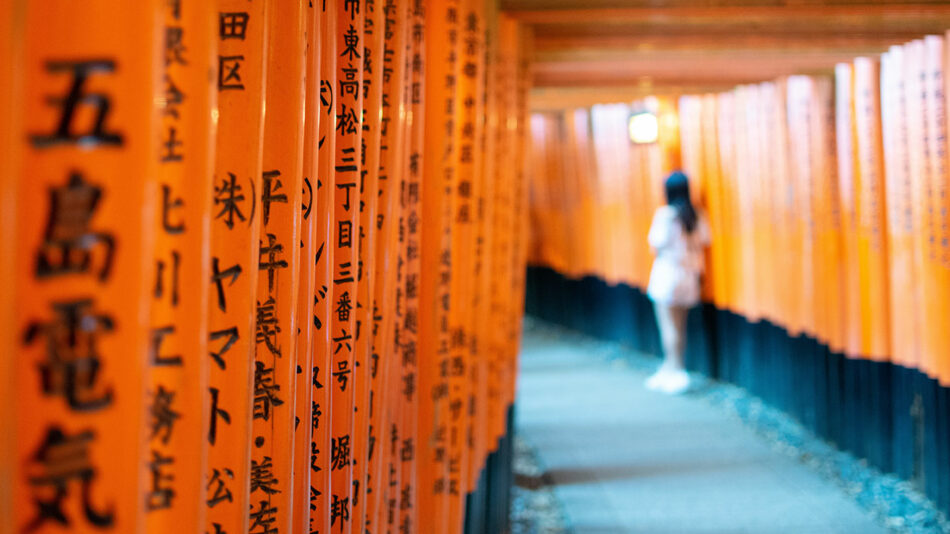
pixel 487 508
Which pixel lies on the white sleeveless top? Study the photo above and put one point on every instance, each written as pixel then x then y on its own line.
pixel 674 278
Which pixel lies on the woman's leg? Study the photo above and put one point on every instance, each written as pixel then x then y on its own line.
pixel 672 322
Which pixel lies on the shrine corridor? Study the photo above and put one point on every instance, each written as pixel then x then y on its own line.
pixel 622 459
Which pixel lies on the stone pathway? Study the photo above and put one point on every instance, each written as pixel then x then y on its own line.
pixel 622 459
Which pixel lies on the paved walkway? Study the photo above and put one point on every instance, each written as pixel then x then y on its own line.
pixel 626 460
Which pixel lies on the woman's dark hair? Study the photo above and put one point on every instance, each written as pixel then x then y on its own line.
pixel 677 195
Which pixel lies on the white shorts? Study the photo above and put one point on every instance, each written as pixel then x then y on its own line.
pixel 673 285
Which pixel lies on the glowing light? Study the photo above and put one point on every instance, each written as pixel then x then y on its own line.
pixel 643 128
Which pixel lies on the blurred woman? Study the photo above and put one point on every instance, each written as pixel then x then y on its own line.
pixel 678 236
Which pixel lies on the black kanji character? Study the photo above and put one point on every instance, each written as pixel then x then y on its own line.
pixel 173 98
pixel 159 291
pixel 272 262
pixel 215 414
pixel 229 195
pixel 349 82
pixel 265 391
pixel 168 204
pixel 269 192
pixel 170 147
pixel 343 307
pixel 344 275
pixel 174 45
pixel 218 276
pixel 347 123
pixel 351 42
pixel 163 416
pixel 262 476
pixel 344 339
pixel 340 509
pixel 71 368
pixel 345 234
pixel 229 76
pixel 68 241
pixel 232 336
pixel 60 459
pixel 342 374
pixel 263 518
pixel 232 25
pixel 160 496
pixel 267 327
pixel 64 134
pixel 158 336
pixel 221 492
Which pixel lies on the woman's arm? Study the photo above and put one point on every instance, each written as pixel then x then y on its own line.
pixel 661 228
pixel 702 226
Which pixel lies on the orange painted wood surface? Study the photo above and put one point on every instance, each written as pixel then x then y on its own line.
pixel 384 348
pixel 89 146
pixel 847 186
pixel 12 27
pixel 176 396
pixel 442 25
pixel 235 256
pixel 364 365
pixel 345 230
pixel 315 260
pixel 281 197
pixel 935 336
pixel 320 445
pixel 309 214
pixel 872 249
pixel 409 440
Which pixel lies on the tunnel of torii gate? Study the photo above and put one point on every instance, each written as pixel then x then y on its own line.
pixel 265 262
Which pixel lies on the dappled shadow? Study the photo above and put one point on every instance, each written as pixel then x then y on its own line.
pixel 653 469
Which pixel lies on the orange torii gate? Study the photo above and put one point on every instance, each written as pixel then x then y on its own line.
pixel 220 220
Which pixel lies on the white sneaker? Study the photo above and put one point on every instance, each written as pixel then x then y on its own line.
pixel 656 380
pixel 675 382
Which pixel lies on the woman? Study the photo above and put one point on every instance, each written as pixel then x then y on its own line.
pixel 677 236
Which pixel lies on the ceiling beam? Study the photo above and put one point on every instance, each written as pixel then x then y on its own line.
pixel 557 98
pixel 550 47
pixel 584 12
pixel 729 54
pixel 744 27
pixel 690 69
pixel 671 44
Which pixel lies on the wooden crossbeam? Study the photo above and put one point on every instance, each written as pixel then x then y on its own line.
pixel 692 43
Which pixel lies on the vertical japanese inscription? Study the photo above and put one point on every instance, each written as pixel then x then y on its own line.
pixel 364 438
pixel 347 270
pixel 404 498
pixel 79 360
pixel 461 320
pixel 323 258
pixel 308 213
pixel 384 355
pixel 442 23
pixel 235 232
pixel 281 198
pixel 176 405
